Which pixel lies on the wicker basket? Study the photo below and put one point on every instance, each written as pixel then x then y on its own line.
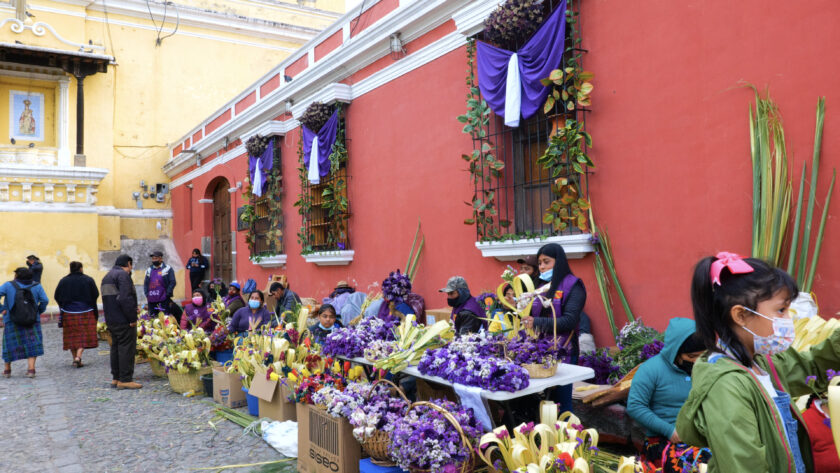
pixel 185 382
pixel 538 371
pixel 376 446
pixel 466 466
pixel 106 336
pixel 157 368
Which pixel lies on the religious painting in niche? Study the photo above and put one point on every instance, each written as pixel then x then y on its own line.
pixel 26 120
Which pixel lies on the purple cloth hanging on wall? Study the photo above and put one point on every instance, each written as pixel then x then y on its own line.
pixel 265 161
pixel 326 138
pixel 537 58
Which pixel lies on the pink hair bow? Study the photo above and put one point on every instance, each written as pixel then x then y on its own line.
pixel 732 261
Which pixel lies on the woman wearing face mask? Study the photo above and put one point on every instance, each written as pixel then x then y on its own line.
pixel 564 296
pixel 661 386
pixel 196 313
pixel 740 401
pixel 255 313
pixel 327 323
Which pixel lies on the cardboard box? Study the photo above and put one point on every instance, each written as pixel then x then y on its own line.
pixel 273 399
pixel 436 315
pixel 325 443
pixel 227 388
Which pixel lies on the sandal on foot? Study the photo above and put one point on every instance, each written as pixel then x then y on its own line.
pixel 80 363
pixel 77 363
pixel 30 373
pixel 7 373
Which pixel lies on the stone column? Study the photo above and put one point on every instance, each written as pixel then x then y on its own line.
pixel 49 194
pixel 63 118
pixel 71 193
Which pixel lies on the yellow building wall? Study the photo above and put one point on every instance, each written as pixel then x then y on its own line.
pixel 151 96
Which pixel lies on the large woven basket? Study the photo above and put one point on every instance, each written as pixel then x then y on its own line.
pixel 185 382
pixel 157 368
pixel 538 371
pixel 466 466
pixel 376 446
pixel 106 335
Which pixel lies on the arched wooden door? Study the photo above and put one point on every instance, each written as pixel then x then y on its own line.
pixel 222 258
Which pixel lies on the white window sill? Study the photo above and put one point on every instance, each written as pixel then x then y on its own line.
pixel 274 261
pixel 330 258
pixel 575 246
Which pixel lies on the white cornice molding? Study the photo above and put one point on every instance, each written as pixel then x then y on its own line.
pixel 575 246
pixel 470 20
pixel 61 207
pixel 52 172
pixel 190 16
pixel 207 166
pixel 412 20
pixel 335 92
pixel 269 128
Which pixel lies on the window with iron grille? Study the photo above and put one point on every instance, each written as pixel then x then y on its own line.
pixel 325 207
pixel 267 223
pixel 515 190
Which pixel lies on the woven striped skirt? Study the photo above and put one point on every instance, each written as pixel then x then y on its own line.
pixel 79 330
pixel 21 342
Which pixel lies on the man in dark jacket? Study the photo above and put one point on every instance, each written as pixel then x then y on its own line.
pixel 286 299
pixel 35 266
pixel 466 312
pixel 159 285
pixel 119 301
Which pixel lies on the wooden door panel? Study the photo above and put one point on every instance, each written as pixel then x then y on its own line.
pixel 222 258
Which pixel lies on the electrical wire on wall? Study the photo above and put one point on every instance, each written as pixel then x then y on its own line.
pixel 159 30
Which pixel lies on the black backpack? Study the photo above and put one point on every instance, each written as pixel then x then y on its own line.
pixel 25 311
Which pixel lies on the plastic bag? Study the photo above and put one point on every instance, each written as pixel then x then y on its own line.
pixel 803 306
pixel 282 436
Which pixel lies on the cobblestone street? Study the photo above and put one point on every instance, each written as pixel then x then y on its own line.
pixel 70 420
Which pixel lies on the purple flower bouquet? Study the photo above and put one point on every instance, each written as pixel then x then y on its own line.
pixel 351 341
pixel 486 372
pixel 379 412
pixel 424 439
pixel 526 350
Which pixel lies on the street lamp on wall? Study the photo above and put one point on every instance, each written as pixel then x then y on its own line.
pixel 397 47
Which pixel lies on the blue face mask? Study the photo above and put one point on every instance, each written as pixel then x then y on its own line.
pixel 254 304
pixel 546 276
pixel 325 328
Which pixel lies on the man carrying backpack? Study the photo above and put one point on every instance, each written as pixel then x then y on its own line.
pixel 24 300
pixel 119 302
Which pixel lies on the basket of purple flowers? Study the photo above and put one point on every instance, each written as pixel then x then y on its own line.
pixel 374 419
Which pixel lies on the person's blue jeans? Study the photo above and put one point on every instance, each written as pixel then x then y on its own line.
pixel 562 395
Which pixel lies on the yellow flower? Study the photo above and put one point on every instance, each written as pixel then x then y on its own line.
pixel 292 378
pixel 274 376
pixel 488 301
pixel 495 326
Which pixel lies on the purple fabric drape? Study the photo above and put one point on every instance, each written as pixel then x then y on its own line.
pixel 265 161
pixel 326 138
pixel 537 58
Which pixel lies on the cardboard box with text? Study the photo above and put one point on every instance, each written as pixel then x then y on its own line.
pixel 325 443
pixel 227 388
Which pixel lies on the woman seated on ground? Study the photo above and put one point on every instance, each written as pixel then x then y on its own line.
pixel 661 386
pixel 327 323
pixel 255 314
pixel 196 313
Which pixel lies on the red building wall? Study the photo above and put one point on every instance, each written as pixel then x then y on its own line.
pixel 669 124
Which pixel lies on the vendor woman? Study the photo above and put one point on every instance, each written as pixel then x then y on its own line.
pixel 255 313
pixel 197 314
pixel 327 323
pixel 740 401
pixel 558 311
pixel 661 386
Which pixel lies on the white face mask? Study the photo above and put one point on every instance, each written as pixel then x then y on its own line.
pixel 783 335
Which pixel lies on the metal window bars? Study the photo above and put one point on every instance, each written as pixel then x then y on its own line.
pixel 265 212
pixel 523 191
